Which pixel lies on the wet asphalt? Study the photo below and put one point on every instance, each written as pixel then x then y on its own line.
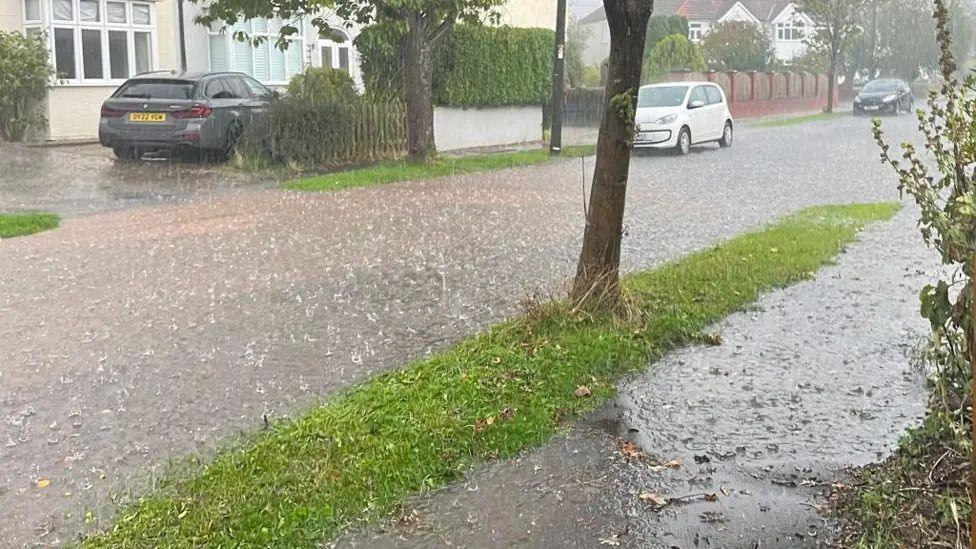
pixel 143 330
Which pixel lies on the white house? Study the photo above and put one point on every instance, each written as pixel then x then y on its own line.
pixel 785 25
pixel 96 44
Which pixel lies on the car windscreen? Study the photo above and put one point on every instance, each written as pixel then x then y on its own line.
pixel 875 86
pixel 157 89
pixel 662 96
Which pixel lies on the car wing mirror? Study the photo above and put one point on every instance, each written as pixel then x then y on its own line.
pixel 696 104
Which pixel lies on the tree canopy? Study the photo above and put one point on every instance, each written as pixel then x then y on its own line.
pixel 738 46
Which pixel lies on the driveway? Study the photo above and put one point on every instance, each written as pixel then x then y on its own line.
pixel 138 335
pixel 73 180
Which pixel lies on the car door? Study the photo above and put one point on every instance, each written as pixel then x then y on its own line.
pixel 716 111
pixel 698 115
pixel 260 96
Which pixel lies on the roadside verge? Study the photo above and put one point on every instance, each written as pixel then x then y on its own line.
pixel 359 454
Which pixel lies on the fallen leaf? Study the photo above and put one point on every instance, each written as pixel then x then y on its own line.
pixel 479 425
pixel 43 483
pixel 702 459
pixel 582 392
pixel 725 492
pixel 507 414
pixel 774 250
pixel 655 500
pixel 490 421
pixel 711 497
pixel 631 450
pixel 670 464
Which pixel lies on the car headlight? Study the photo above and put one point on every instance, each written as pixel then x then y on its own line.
pixel 890 98
pixel 666 119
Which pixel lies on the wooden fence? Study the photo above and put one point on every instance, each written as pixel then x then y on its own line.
pixel 329 134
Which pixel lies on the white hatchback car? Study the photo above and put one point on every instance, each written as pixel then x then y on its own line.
pixel 677 115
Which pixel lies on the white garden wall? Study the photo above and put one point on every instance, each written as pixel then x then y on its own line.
pixel 456 128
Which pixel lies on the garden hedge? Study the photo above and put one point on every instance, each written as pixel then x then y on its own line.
pixel 474 66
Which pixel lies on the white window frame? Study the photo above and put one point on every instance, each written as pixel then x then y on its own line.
pixel 336 46
pixel 695 32
pixel 47 24
pixel 296 40
pixel 791 30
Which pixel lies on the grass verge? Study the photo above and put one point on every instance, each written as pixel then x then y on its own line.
pixel 794 120
pixel 23 224
pixel 391 172
pixel 489 397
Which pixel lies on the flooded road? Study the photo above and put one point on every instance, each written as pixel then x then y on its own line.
pixel 731 446
pixel 140 334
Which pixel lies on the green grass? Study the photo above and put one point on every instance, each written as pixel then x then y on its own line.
pixel 795 120
pixel 492 396
pixel 391 172
pixel 22 224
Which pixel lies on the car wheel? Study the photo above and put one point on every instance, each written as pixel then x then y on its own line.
pixel 125 152
pixel 683 146
pixel 726 140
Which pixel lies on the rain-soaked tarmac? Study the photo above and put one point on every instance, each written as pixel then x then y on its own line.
pixel 141 334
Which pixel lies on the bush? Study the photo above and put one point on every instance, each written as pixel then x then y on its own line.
pixel 24 76
pixel 738 46
pixel 323 84
pixel 474 66
pixel 674 52
pixel 591 76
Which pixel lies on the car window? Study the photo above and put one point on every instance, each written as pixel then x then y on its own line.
pixel 714 95
pixel 698 94
pixel 157 89
pixel 236 86
pixel 661 96
pixel 256 88
pixel 215 89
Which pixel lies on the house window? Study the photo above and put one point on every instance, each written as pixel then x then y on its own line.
pixel 334 49
pixel 694 32
pixel 789 31
pixel 264 61
pixel 95 41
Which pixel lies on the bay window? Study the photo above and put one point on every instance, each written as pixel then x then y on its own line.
pixel 265 61
pixel 95 41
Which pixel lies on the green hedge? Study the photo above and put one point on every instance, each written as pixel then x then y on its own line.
pixel 475 66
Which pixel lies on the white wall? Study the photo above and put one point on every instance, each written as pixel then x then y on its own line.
pixel 456 128
pixel 597 47
pixel 73 111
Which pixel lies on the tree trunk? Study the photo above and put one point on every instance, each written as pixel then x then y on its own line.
pixel 831 83
pixel 971 344
pixel 418 89
pixel 598 272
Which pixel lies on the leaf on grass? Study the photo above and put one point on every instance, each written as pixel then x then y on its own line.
pixel 657 501
pixel 582 392
pixel 507 414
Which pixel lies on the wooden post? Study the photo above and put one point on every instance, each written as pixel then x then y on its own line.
pixel 752 81
pixel 731 97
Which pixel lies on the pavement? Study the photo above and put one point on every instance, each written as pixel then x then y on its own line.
pixel 158 327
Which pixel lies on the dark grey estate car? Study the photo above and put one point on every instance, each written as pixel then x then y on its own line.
pixel 171 110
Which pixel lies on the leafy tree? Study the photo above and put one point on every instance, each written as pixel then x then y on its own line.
pixel 837 25
pixel 576 37
pixel 738 46
pixel 943 185
pixel 25 71
pixel 597 282
pixel 674 52
pixel 418 24
pixel 660 27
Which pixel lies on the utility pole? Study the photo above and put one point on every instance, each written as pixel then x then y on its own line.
pixel 182 29
pixel 558 78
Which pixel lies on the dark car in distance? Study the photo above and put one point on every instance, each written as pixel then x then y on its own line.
pixel 886 95
pixel 170 110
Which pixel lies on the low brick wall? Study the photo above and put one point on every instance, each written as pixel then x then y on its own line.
pixel 753 94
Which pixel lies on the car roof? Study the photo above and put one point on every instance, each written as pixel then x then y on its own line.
pixel 192 76
pixel 679 83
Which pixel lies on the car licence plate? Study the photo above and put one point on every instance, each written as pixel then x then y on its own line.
pixel 147 117
pixel 870 107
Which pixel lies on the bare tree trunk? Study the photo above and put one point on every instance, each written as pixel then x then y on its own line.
pixel 831 82
pixel 418 89
pixel 598 272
